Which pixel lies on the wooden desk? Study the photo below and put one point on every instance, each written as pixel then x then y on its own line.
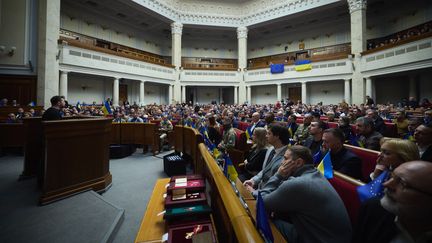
pixel 243 192
pixel 276 234
pixel 153 226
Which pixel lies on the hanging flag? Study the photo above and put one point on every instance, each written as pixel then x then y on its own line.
pixel 229 170
pixel 325 167
pixel 106 108
pixel 374 188
pixel 262 221
pixel 303 65
pixel 290 130
pixel 277 68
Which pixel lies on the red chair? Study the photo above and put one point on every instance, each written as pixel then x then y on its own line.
pixel 369 158
pixel 241 141
pixel 391 130
pixel 346 187
pixel 243 125
pixel 333 124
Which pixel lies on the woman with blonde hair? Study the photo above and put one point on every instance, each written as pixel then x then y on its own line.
pixel 254 161
pixel 394 151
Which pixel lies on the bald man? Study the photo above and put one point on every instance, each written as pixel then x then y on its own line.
pixel 407 207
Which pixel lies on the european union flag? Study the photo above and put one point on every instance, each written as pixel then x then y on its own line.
pixel 229 170
pixel 325 167
pixel 373 188
pixel 277 68
pixel 262 222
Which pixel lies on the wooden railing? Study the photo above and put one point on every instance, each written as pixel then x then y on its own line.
pixel 209 63
pixel 401 42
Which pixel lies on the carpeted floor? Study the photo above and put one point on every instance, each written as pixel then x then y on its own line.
pixel 21 220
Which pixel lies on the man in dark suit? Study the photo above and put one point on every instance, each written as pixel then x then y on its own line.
pixel 369 138
pixel 379 125
pixel 407 205
pixel 423 138
pixel 342 159
pixel 54 112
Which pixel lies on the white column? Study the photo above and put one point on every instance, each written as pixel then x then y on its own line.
pixel 115 96
pixel 412 87
pixel 279 92
pixel 358 44
pixel 242 62
pixel 183 96
pixel 249 94
pixel 141 88
pixel 347 91
pixel 176 35
pixel 64 84
pixel 369 87
pixel 48 66
pixel 304 92
pixel 170 94
pixel 235 95
pixel 220 95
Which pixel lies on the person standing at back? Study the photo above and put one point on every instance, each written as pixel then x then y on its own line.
pixel 55 111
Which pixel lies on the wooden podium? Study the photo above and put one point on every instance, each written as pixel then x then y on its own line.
pixel 76 157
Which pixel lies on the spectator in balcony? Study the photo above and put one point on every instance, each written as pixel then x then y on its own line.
pixel 369 138
pixel 11 118
pixel 369 101
pixel 3 102
pixel 425 103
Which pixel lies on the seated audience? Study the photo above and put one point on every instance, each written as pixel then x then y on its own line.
pixel 292 125
pixel 269 119
pixel 314 141
pixel 378 122
pixel 394 152
pixel 343 160
pixel 118 118
pixel 253 164
pixel 303 130
pixel 135 118
pixel 423 138
pixel 305 206
pixel 405 215
pixel 369 138
pixel 11 118
pixel 228 137
pixel 278 137
pixel 165 126
pixel 401 122
pixel 344 126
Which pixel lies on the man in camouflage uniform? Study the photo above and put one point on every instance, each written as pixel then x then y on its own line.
pixel 165 126
pixel 229 135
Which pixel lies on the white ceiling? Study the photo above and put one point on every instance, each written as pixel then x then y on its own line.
pixel 117 14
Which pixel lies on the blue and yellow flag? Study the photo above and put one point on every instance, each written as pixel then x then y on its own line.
pixel 106 109
pixel 409 136
pixel 303 65
pixel 262 221
pixel 354 140
pixel 290 130
pixel 317 156
pixel 374 188
pixel 249 132
pixel 325 167
pixel 229 170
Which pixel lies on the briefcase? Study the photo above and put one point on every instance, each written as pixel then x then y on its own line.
pixel 174 164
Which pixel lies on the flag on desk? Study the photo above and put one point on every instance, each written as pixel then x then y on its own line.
pixel 229 170
pixel 262 221
pixel 325 167
pixel 106 108
pixel 374 188
pixel 277 68
pixel 317 156
pixel 354 140
pixel 303 65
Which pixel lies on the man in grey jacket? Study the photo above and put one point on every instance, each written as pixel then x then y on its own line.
pixel 277 136
pixel 306 207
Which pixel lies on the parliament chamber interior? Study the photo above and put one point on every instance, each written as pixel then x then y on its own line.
pixel 215 121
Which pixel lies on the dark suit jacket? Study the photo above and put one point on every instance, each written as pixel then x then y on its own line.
pixel 379 125
pixel 260 124
pixel 375 224
pixel 312 145
pixel 427 155
pixel 348 163
pixel 256 160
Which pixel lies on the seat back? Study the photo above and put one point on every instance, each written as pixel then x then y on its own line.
pixel 241 141
pixel 243 125
pixel 391 130
pixel 333 124
pixel 346 187
pixel 369 158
